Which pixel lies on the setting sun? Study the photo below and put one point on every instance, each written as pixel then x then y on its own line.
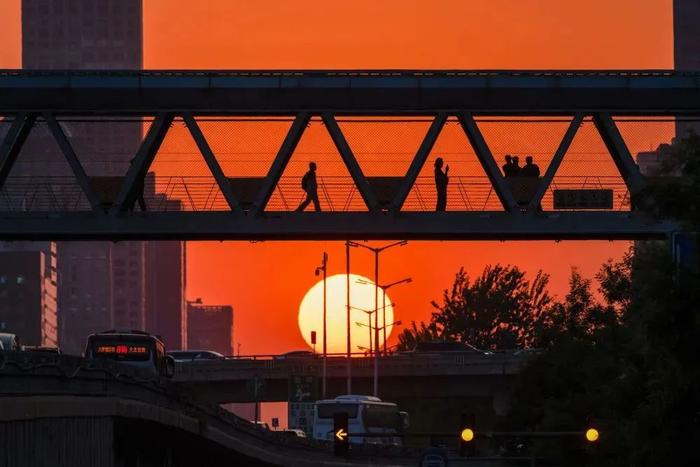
pixel 361 301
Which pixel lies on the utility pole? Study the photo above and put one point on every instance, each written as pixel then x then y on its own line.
pixel 349 350
pixel 323 268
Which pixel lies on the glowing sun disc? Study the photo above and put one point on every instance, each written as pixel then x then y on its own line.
pixel 361 298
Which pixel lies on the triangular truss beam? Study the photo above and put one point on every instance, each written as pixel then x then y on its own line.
pixel 23 123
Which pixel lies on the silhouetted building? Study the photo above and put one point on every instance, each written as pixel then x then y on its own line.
pixel 28 292
pixel 101 285
pixel 686 46
pixel 165 292
pixel 210 327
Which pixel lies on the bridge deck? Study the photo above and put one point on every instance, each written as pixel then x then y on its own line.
pixel 267 92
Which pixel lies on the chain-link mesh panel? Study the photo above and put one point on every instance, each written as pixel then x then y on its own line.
pixel 182 174
pixel 245 147
pixel 644 137
pixel 41 179
pixel 336 190
pixel 469 189
pixel 384 147
pixel 588 165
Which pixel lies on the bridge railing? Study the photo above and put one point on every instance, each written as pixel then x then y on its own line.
pixel 336 194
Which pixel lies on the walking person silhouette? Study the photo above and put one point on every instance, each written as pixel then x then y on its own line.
pixel 310 186
pixel 441 181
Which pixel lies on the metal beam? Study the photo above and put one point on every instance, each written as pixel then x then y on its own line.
pixel 350 162
pixel 359 92
pixel 619 151
pixel 555 163
pixel 483 153
pixel 419 161
pixel 13 142
pixel 212 163
pixel 144 157
pixel 183 225
pixel 75 165
pixel 281 160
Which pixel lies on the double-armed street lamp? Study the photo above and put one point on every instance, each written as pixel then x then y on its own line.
pixel 323 268
pixel 369 314
pixel 376 252
pixel 386 287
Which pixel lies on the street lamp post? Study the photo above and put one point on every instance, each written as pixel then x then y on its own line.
pixel 324 268
pixel 376 252
pixel 349 356
pixel 384 288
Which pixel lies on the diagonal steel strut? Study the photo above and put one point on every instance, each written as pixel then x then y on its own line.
pixel 281 160
pixel 483 153
pixel 419 161
pixel 555 163
pixel 144 157
pixel 75 165
pixel 13 142
pixel 350 162
pixel 210 159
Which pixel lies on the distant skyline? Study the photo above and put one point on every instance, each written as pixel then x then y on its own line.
pixel 266 282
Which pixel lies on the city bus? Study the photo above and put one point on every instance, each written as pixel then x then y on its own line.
pixel 366 414
pixel 137 349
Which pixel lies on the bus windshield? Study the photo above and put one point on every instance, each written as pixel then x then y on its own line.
pixel 327 410
pixel 382 416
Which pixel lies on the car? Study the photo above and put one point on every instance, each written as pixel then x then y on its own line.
pixel 446 346
pixel 10 342
pixel 42 349
pixel 296 354
pixel 194 355
pixel 294 432
pixel 261 424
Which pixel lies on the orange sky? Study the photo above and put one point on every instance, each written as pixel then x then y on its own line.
pixel 266 281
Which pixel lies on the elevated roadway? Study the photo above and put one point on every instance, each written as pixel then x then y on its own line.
pixel 103 414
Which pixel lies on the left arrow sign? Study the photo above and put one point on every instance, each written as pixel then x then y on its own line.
pixel 341 434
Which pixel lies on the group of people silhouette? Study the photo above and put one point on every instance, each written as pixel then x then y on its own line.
pixel 512 167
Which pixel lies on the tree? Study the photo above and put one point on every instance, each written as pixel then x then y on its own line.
pixel 499 309
pixel 634 370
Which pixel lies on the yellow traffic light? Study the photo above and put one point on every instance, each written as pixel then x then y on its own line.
pixel 592 435
pixel 467 435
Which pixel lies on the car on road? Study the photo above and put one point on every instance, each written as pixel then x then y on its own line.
pixel 439 347
pixel 294 432
pixel 194 355
pixel 42 349
pixel 296 354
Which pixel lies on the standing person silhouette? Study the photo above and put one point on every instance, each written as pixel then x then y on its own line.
pixel 441 181
pixel 516 167
pixel 530 169
pixel 508 166
pixel 309 185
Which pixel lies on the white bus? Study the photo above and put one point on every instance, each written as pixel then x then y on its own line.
pixel 366 414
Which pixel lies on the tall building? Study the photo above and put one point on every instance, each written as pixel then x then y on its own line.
pixel 101 285
pixel 165 286
pixel 28 292
pixel 686 46
pixel 210 327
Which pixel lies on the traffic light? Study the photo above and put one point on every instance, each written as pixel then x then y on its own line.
pixel 592 435
pixel 467 447
pixel 341 438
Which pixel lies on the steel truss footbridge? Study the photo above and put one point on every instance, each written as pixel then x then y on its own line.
pixel 251 135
